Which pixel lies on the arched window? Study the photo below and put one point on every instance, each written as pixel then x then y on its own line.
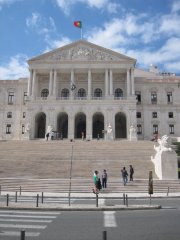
pixel 82 92
pixel 44 93
pixel 98 92
pixel 65 93
pixel 118 93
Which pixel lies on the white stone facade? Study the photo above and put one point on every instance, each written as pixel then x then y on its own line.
pixel 82 87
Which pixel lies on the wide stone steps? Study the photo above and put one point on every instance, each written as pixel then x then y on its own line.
pixel 86 185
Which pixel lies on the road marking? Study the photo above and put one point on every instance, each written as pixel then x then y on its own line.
pixel 11 233
pixel 25 220
pixel 29 212
pixel 25 216
pixel 109 219
pixel 22 226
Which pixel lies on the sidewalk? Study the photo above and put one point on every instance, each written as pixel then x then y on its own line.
pixel 51 206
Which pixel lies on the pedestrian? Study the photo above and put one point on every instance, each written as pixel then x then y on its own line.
pixel 104 179
pixel 124 175
pixel 47 136
pixel 131 172
pixel 82 135
pixel 97 182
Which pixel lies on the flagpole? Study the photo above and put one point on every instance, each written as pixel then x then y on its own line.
pixel 81 33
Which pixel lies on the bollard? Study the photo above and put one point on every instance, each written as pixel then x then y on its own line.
pixel 104 235
pixel 42 198
pixel 7 200
pixel 126 200
pixel 168 192
pixel 20 190
pixel 23 235
pixel 37 201
pixel 16 197
pixel 96 200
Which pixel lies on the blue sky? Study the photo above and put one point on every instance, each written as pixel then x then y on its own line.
pixel 148 30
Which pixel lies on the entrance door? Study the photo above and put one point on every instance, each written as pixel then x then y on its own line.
pixel 120 126
pixel 98 125
pixel 80 125
pixel 40 125
pixel 62 125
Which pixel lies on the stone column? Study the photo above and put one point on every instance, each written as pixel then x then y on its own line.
pixel 71 83
pixel 89 84
pixel 88 127
pixel 128 82
pixel 111 82
pixel 71 127
pixel 106 82
pixel 132 81
pixel 30 83
pixel 34 83
pixel 54 83
pixel 50 82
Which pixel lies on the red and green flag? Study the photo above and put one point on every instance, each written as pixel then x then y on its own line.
pixel 78 24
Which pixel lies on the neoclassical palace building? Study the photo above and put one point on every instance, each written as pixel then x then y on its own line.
pixel 82 87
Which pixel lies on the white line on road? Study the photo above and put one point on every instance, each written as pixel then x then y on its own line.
pixel 25 216
pixel 30 212
pixel 109 219
pixel 11 233
pixel 22 226
pixel 25 220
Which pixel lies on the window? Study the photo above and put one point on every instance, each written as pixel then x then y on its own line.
pixel 24 114
pixel 10 98
pixel 98 92
pixel 155 129
pixel 169 98
pixel 139 129
pixel 154 98
pixel 44 93
pixel 9 115
pixel 138 114
pixel 8 129
pixel 25 97
pixel 65 93
pixel 154 114
pixel 138 97
pixel 23 129
pixel 170 114
pixel 171 129
pixel 118 93
pixel 81 92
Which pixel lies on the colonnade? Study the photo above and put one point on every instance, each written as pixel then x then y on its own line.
pixel 108 81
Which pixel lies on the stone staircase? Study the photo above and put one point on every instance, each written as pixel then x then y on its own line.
pixel 45 166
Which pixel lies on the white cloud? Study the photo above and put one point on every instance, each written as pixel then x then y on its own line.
pixel 66 5
pixel 52 44
pixel 15 68
pixel 7 2
pixel 175 6
pixel 34 20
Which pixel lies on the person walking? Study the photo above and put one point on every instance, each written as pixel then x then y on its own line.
pixel 47 136
pixel 104 179
pixel 124 175
pixel 131 173
pixel 97 182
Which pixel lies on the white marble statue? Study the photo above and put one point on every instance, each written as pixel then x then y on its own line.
pixel 164 144
pixel 132 133
pixel 27 128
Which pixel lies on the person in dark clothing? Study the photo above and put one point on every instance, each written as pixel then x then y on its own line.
pixel 47 136
pixel 131 172
pixel 104 179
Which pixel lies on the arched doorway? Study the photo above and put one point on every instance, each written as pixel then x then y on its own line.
pixel 40 125
pixel 80 125
pixel 120 126
pixel 62 125
pixel 98 125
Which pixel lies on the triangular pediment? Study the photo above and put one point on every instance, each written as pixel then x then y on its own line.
pixel 81 51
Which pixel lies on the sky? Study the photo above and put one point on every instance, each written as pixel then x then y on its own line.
pixel 147 30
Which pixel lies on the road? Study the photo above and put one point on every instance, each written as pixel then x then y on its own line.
pixel 127 225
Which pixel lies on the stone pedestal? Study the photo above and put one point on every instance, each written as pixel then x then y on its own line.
pixel 166 165
pixel 132 134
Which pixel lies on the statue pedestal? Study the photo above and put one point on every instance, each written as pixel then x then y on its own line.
pixel 132 134
pixel 166 165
